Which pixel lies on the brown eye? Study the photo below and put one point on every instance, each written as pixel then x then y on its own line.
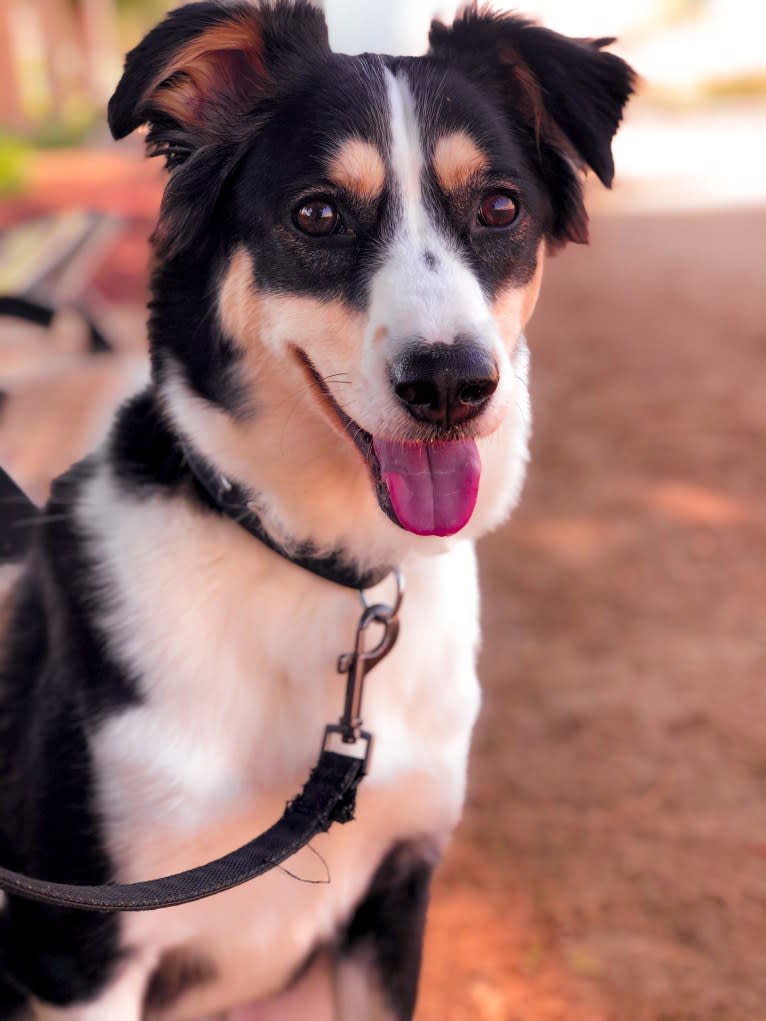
pixel 498 210
pixel 318 218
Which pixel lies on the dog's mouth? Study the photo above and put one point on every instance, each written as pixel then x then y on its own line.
pixel 428 488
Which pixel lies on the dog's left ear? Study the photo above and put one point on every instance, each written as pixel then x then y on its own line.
pixel 568 93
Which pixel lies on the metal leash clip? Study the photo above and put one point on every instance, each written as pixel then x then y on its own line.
pixel 356 665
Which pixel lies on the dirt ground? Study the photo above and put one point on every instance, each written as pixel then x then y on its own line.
pixel 612 862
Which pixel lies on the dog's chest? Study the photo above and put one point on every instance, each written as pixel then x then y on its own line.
pixel 236 656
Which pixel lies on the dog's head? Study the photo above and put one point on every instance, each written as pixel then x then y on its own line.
pixel 349 249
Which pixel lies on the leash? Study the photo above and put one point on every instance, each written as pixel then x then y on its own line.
pixel 329 796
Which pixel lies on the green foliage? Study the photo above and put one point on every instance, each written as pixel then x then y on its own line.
pixel 135 17
pixel 62 134
pixel 14 160
pixel 146 9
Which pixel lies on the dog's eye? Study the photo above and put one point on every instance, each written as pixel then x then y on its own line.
pixel 317 218
pixel 498 209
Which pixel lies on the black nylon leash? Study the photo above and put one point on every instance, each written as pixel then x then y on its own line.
pixel 329 795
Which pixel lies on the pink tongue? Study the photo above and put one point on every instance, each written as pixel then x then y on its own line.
pixel 433 486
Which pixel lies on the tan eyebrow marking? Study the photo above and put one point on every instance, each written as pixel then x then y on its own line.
pixel 358 167
pixel 457 158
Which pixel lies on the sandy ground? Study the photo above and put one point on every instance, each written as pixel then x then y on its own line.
pixel 612 862
pixel 613 859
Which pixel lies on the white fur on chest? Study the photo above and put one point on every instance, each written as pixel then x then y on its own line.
pixel 235 652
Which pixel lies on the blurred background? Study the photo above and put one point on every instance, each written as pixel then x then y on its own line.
pixel 612 862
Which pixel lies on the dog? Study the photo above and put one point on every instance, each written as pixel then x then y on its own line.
pixel 347 254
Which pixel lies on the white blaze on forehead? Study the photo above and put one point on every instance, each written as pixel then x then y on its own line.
pixel 406 151
pixel 424 288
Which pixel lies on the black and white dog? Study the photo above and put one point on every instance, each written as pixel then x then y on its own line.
pixel 347 253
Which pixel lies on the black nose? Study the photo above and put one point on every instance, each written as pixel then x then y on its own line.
pixel 444 384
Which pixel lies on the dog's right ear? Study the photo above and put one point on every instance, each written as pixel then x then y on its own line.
pixel 197 76
pixel 567 94
pixel 199 80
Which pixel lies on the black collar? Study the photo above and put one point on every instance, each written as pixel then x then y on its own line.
pixel 234 500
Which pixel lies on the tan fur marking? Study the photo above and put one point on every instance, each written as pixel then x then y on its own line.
pixel 323 396
pixel 265 326
pixel 532 290
pixel 238 303
pixel 457 159
pixel 204 72
pixel 513 307
pixel 358 167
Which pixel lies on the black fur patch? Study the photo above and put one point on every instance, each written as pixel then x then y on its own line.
pixel 12 1002
pixel 146 456
pixel 18 520
pixel 143 451
pixel 56 680
pixel 266 192
pixel 177 974
pixel 387 927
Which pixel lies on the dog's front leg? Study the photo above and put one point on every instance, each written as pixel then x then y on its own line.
pixel 379 956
